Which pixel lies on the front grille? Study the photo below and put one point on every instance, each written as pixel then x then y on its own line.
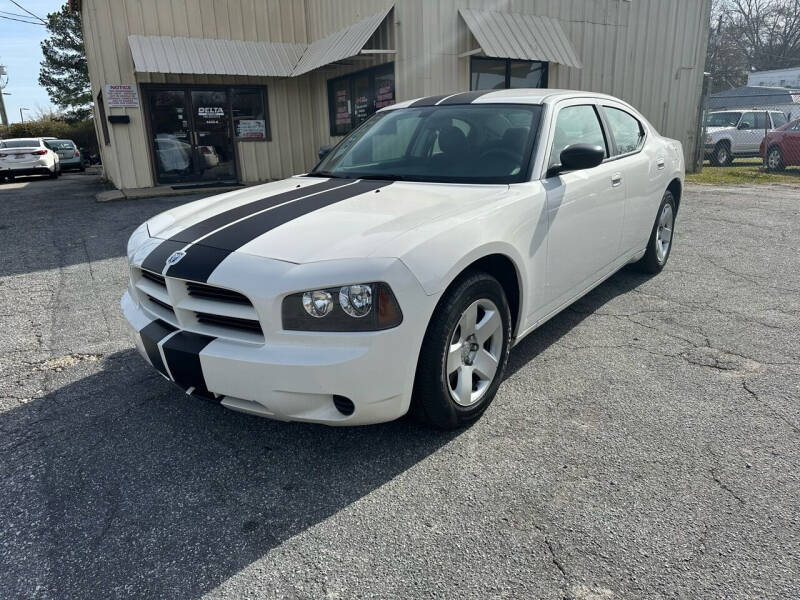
pixel 231 322
pixel 200 290
pixel 158 302
pixel 154 277
pixel 198 307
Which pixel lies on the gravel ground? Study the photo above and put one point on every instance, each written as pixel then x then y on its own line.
pixel 644 444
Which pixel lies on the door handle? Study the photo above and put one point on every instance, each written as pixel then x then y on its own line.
pixel 616 179
pixel 660 163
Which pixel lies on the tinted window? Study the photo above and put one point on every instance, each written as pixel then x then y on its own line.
pixel 761 121
pixel 503 73
pixel 725 119
pixel 754 120
pixel 28 143
pixel 796 126
pixel 627 131
pixel 473 143
pixel 779 119
pixel 61 145
pixel 576 125
pixel 352 99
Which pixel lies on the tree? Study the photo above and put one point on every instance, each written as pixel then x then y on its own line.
pixel 64 73
pixel 752 35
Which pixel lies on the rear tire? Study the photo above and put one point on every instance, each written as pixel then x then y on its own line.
pixel 53 174
pixel 464 354
pixel 659 246
pixel 722 156
pixel 774 160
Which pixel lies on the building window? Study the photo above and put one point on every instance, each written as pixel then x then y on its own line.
pixel 504 73
pixel 101 109
pixel 353 98
pixel 249 111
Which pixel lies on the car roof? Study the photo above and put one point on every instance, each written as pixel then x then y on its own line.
pixel 511 96
pixel 38 139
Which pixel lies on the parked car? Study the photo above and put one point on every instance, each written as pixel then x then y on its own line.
pixel 28 156
pixel 173 155
pixel 210 156
pixel 781 148
pixel 399 272
pixel 68 154
pixel 737 134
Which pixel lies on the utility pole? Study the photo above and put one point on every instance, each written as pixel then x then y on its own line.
pixel 3 82
pixel 21 118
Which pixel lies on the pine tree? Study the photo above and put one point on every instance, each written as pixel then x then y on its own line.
pixel 64 73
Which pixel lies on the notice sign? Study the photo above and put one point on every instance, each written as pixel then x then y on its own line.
pixel 121 96
pixel 251 128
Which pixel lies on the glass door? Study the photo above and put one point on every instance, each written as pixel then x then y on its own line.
pixel 170 126
pixel 212 135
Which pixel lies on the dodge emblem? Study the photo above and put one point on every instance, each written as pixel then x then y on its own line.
pixel 175 257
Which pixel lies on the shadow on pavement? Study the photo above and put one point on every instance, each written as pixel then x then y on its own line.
pixel 118 485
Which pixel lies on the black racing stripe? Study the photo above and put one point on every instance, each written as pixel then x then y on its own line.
pixel 151 335
pixel 465 97
pixel 429 101
pixel 155 261
pixel 182 352
pixel 201 259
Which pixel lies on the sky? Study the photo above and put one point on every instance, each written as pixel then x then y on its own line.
pixel 21 53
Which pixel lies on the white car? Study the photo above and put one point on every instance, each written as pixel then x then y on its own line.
pixel 28 156
pixel 738 133
pixel 398 273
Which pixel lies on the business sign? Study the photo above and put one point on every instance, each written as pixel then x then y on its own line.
pixel 121 96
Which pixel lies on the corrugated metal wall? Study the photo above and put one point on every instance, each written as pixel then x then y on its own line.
pixel 648 52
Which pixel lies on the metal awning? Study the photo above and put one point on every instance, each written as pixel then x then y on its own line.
pixel 204 56
pixel 343 44
pixel 524 37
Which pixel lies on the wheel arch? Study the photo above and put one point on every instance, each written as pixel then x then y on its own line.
pixel 676 187
pixel 506 270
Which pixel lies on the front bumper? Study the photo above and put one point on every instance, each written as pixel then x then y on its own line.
pixel 294 375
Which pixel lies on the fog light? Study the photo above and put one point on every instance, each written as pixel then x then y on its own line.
pixel 318 303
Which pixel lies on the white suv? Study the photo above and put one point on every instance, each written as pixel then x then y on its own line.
pixel 738 133
pixel 28 156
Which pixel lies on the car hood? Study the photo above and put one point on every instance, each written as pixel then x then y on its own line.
pixel 361 219
pixel 714 130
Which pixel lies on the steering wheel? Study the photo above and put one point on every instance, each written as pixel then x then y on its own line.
pixel 505 153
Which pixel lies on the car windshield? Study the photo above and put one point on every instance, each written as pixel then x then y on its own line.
pixel 726 119
pixel 31 143
pixel 61 144
pixel 473 143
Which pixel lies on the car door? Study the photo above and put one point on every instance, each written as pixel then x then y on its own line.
pixel 642 172
pixel 790 146
pixel 742 132
pixel 585 208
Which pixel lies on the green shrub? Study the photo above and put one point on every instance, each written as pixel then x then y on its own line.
pixel 80 132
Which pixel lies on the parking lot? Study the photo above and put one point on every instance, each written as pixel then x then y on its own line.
pixel 645 443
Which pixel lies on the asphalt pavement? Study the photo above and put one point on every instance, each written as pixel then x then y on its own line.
pixel 645 443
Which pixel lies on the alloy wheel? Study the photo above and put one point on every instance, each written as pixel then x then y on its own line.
pixel 664 233
pixel 774 159
pixel 473 353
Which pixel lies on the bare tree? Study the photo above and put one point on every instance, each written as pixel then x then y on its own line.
pixel 752 35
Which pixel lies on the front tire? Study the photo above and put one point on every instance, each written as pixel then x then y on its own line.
pixel 722 156
pixel 774 160
pixel 464 353
pixel 660 244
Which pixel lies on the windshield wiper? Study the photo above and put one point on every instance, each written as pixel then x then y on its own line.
pixel 384 177
pixel 327 174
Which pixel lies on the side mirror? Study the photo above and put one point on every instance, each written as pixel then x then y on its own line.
pixel 578 157
pixel 324 151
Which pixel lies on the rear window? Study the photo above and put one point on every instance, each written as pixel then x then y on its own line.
pixel 31 143
pixel 61 144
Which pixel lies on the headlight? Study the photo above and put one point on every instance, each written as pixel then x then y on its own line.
pixel 354 307
pixel 709 140
pixel 138 237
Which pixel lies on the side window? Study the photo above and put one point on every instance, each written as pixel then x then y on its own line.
pixel 576 125
pixel 748 121
pixel 778 119
pixel 796 126
pixel 761 120
pixel 626 129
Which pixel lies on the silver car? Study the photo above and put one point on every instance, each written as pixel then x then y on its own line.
pixel 68 154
